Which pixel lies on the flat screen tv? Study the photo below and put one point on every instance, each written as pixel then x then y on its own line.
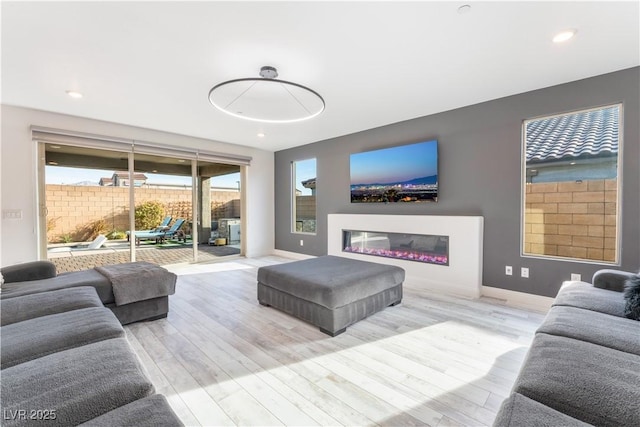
pixel 405 173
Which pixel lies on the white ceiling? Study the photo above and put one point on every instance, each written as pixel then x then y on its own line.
pixel 152 64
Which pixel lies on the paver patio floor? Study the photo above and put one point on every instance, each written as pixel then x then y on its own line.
pixel 83 260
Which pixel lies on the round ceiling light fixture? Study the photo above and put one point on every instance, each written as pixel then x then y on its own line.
pixel 266 99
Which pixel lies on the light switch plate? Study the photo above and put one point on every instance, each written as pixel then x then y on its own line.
pixel 12 214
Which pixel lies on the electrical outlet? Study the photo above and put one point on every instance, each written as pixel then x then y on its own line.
pixel 524 272
pixel 508 270
pixel 576 277
pixel 301 242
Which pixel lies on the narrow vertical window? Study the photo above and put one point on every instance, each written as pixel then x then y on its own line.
pixel 571 185
pixel 303 184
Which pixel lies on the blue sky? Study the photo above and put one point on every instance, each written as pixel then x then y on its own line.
pixel 395 164
pixel 63 175
pixel 305 169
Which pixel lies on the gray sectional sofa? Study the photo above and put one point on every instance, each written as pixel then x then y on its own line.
pixel 65 360
pixel 583 367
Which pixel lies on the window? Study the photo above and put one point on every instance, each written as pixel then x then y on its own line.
pixel 303 184
pixel 571 185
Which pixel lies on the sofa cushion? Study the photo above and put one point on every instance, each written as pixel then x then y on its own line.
pixel 519 410
pixel 34 270
pixel 592 383
pixel 152 411
pixel 28 340
pixel 63 281
pixel 585 295
pixel 331 281
pixel 27 307
pixel 78 384
pixel 138 281
pixel 597 328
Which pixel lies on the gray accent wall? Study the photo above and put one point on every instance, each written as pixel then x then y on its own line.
pixel 479 174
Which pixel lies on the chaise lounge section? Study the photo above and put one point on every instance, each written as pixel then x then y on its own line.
pixel 132 291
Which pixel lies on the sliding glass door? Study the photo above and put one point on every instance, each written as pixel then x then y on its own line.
pixel 86 217
pixel 164 211
pixel 101 206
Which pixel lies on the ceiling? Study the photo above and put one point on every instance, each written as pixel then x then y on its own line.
pixel 152 64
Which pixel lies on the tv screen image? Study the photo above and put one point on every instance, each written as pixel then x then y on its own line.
pixel 405 173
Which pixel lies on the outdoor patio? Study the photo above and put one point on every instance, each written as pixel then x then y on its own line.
pixel 115 253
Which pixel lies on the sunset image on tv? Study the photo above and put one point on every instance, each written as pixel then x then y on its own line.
pixel 407 173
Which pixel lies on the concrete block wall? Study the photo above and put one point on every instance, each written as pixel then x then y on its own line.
pixel 305 207
pixel 306 214
pixel 72 210
pixel 575 219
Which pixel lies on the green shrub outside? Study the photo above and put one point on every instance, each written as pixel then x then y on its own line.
pixel 149 215
pixel 117 235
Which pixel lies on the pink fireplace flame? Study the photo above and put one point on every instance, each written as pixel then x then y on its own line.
pixel 401 254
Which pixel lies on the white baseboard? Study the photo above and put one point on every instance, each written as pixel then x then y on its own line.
pixel 519 299
pixel 292 255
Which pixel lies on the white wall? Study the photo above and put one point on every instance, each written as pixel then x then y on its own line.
pixel 18 238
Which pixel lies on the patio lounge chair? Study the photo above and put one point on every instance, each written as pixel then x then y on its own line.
pixel 164 225
pixel 95 244
pixel 160 236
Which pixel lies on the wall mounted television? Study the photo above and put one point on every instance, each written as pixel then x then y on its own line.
pixel 404 173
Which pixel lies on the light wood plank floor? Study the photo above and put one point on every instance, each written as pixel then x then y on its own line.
pixel 223 359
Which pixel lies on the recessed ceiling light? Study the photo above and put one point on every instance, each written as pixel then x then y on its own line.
pixel 563 36
pixel 155 171
pixel 53 163
pixel 260 135
pixel 74 94
pixel 465 8
pixel 54 146
pixel 181 160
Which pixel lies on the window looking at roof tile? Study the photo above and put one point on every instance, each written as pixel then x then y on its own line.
pixel 571 185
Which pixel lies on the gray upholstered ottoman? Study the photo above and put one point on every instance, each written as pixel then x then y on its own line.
pixel 330 292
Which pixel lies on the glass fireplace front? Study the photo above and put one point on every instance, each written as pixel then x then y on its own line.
pixel 427 248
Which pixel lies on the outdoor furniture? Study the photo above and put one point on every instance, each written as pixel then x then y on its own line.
pixel 160 236
pixel 95 244
pixel 164 225
pixel 330 292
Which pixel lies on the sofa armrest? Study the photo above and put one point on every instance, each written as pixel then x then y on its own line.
pixel 612 280
pixel 28 271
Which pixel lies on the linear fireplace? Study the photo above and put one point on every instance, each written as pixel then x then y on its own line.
pixel 462 275
pixel 427 248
